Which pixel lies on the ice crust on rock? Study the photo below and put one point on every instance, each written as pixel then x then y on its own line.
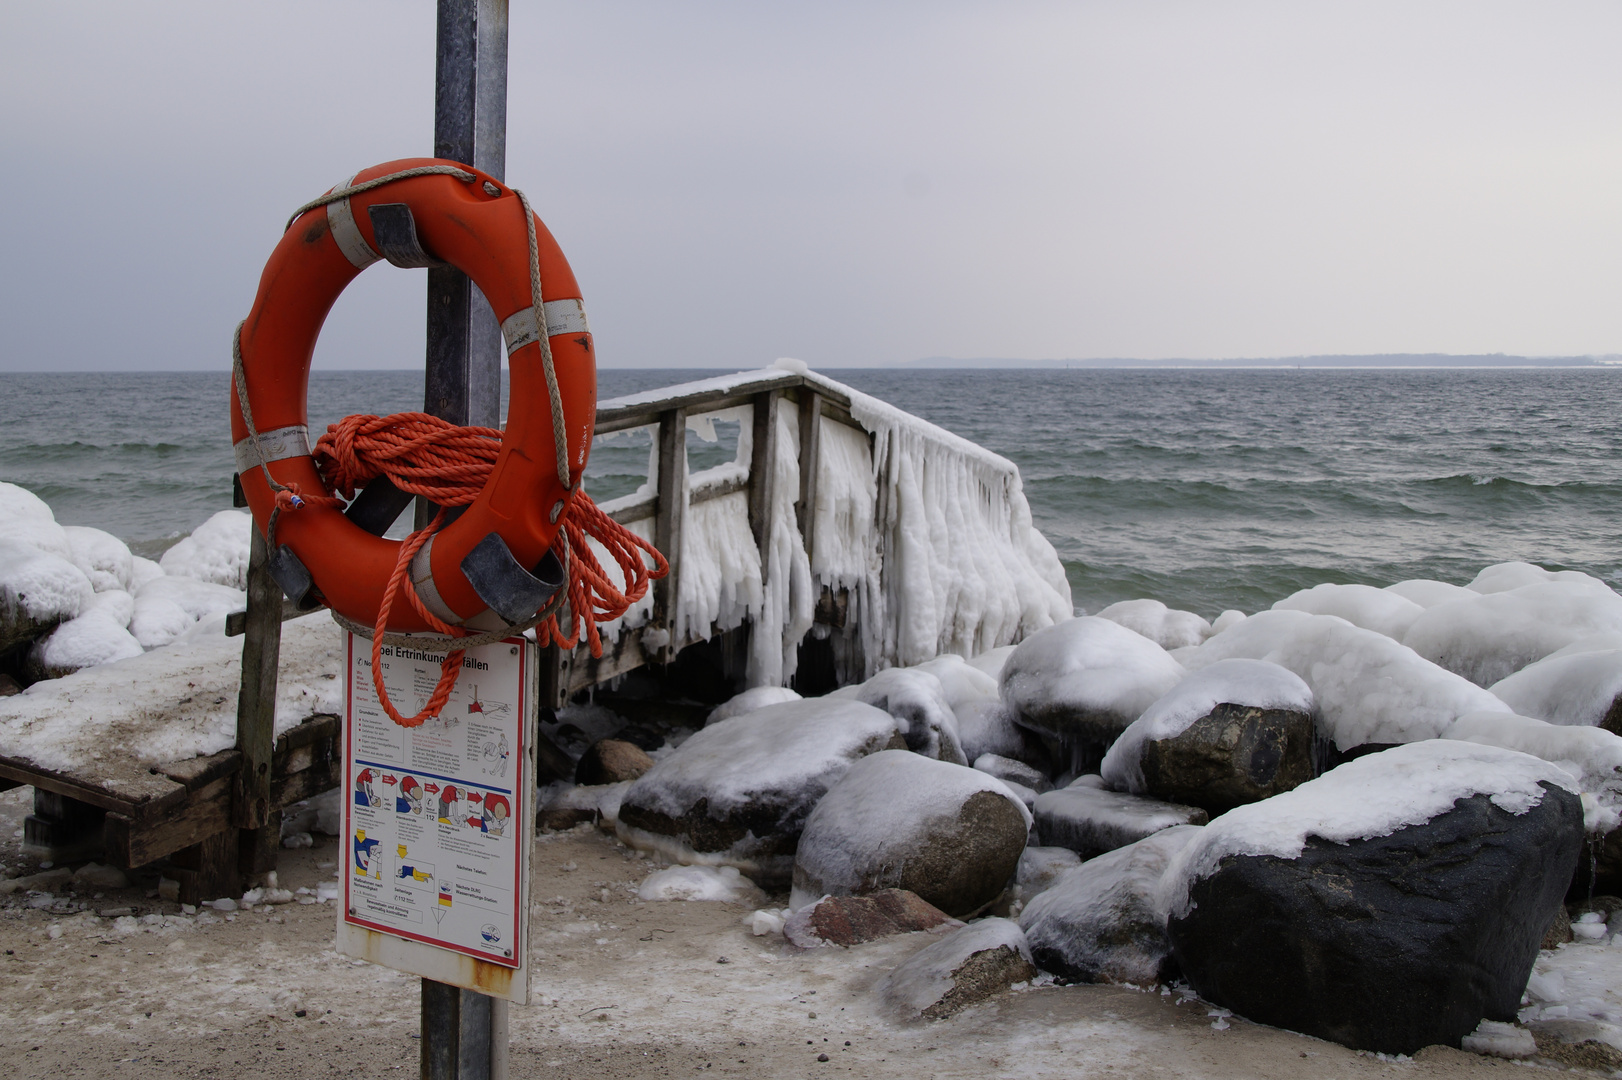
pixel 918 702
pixel 1427 593
pixel 1090 820
pixel 1592 757
pixel 757 775
pixel 1166 627
pixel 1104 921
pixel 722 883
pixel 1368 688
pixel 1489 638
pixel 40 586
pixel 216 551
pixel 104 558
pixel 1578 689
pixel 1374 795
pixel 987 727
pixel 1255 683
pixel 132 704
pixel 992 660
pixel 961 682
pixel 896 816
pixel 944 977
pixel 1040 868
pixel 1086 679
pixel 1379 610
pixel 749 701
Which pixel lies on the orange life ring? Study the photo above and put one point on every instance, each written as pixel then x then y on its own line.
pixel 477 226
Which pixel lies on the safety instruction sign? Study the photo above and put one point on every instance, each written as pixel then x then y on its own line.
pixel 436 815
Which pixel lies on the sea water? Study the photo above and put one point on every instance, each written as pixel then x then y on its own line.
pixel 1205 489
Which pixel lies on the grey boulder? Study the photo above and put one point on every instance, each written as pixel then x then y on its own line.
pixel 1089 819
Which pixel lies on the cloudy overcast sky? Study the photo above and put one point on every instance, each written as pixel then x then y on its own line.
pixel 849 184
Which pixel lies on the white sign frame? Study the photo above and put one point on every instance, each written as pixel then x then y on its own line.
pixel 375 938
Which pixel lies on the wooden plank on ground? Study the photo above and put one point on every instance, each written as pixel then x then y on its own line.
pixel 127 788
pixel 133 842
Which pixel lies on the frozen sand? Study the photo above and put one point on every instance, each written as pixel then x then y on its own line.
pixel 622 988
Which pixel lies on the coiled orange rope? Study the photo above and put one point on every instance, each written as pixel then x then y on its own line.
pixel 448 465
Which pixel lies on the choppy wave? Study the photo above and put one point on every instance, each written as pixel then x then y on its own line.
pixel 1208 490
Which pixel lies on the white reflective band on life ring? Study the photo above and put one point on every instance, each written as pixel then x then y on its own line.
pixel 562 317
pixel 278 445
pixel 341 220
pixel 422 576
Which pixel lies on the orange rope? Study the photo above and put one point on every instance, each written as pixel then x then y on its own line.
pixel 424 455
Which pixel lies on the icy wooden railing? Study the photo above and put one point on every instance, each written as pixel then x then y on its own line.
pixel 840 518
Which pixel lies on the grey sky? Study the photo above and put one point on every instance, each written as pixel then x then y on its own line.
pixel 849 183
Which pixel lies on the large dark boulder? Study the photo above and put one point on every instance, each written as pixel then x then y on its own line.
pixel 1426 878
pixel 1233 733
pixel 898 820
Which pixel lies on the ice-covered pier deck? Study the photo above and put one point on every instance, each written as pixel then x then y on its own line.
pixel 842 536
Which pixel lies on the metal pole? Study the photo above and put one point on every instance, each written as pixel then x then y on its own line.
pixel 460 1028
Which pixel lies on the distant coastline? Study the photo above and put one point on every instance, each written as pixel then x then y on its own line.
pixel 1381 360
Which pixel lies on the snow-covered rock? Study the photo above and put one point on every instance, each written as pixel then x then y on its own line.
pixel 961 682
pixel 1582 689
pixel 918 702
pixel 216 551
pixel 1231 733
pixel 964 968
pixel 1227 619
pixel 749 701
pixel 898 820
pixel 1166 627
pixel 114 604
pixel 1504 577
pixel 91 639
pixel 1388 905
pixel 1428 593
pixel 611 761
pixel 167 607
pixel 1379 610
pixel 992 660
pixel 738 792
pixel 1368 688
pixel 38 590
pixel 27 520
pixel 1083 681
pixel 1104 921
pixel 987 727
pixel 143 572
pixel 1591 757
pixel 104 558
pixel 1090 820
pixel 1491 637
pixel 722 883
pixel 1010 771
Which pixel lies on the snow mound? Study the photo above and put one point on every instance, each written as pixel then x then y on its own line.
pixel 1361 605
pixel 1256 683
pixel 42 585
pixel 169 705
pixel 91 639
pixel 1166 627
pixel 1504 577
pixel 1489 638
pixel 216 551
pixel 1090 667
pixel 1374 795
pixel 104 558
pixel 1427 593
pixel 918 702
pixel 1369 689
pixel 961 682
pixel 749 701
pixel 26 519
pixel 722 883
pixel 1577 688
pixel 875 816
pixel 169 606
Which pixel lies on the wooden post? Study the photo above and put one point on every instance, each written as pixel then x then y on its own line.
pixel 256 698
pixel 763 475
pixel 810 457
pixel 667 524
